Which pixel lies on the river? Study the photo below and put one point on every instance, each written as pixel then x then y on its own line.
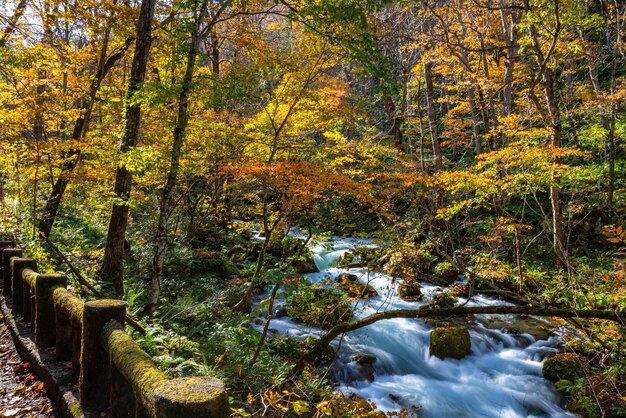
pixel 501 378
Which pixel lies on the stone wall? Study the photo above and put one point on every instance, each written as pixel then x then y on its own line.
pixel 90 365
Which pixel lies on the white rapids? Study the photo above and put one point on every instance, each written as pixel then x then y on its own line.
pixel 501 377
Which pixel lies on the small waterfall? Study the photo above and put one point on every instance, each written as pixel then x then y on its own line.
pixel 326 260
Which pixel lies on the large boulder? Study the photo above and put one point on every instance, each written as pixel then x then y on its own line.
pixel 563 366
pixel 453 342
pixel 410 290
pixel 305 266
pixel 351 286
pixel 319 307
pixel 445 274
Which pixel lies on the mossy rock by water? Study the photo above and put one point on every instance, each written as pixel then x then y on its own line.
pixel 450 342
pixel 440 301
pixel 351 286
pixel 410 291
pixel 563 366
pixel 459 290
pixel 328 353
pixel 319 307
pixel 445 274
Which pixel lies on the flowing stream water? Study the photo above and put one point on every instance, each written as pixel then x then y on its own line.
pixel 501 377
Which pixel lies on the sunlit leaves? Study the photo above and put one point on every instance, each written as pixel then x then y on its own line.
pixel 520 169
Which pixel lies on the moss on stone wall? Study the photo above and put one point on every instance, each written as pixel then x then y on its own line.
pixel 135 365
pixel 68 303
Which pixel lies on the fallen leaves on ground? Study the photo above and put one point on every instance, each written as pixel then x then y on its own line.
pixel 21 394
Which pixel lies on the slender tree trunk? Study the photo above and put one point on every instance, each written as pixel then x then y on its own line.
pixel 491 107
pixel 555 199
pixel 512 47
pixel 112 264
pixel 432 115
pixel 215 53
pixel 72 156
pixel 167 194
pixel 12 22
pixel 478 146
pixel 546 77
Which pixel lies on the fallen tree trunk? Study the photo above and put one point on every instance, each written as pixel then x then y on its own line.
pixel 326 339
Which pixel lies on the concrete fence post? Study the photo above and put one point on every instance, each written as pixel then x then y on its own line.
pixel 17 286
pixel 192 397
pixel 28 292
pixel 3 245
pixel 7 253
pixel 45 327
pixel 95 373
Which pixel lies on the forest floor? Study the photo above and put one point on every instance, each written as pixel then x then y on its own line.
pixel 22 395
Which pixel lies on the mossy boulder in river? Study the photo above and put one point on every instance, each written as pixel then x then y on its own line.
pixel 351 286
pixel 319 307
pixel 563 366
pixel 410 290
pixel 440 301
pixel 451 342
pixel 445 274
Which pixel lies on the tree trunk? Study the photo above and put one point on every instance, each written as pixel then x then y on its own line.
pixel 546 77
pixel 510 35
pixel 167 195
pixel 432 115
pixel 478 146
pixel 81 124
pixel 555 141
pixel 12 22
pixel 112 264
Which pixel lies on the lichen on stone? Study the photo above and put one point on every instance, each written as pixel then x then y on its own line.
pixel 451 342
pixel 140 371
pixel 68 303
pixel 29 276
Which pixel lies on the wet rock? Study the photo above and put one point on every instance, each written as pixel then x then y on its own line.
pixel 305 266
pixel 352 278
pixel 280 312
pixel 563 366
pixel 410 291
pixel 440 301
pixel 395 398
pixel 445 274
pixel 319 307
pixel 360 371
pixel 364 359
pixel 351 286
pixel 453 342
pixel 520 325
